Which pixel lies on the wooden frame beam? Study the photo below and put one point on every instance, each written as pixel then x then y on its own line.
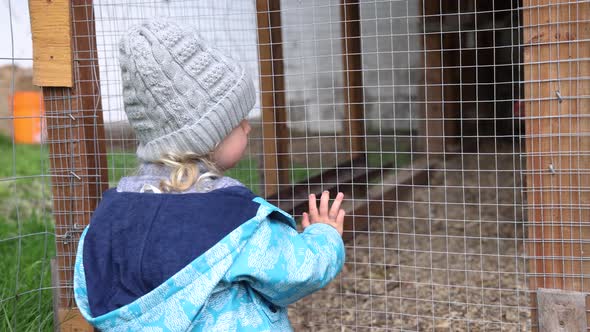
pixel 77 152
pixel 556 38
pixel 354 124
pixel 275 159
pixel 438 126
pixel 431 126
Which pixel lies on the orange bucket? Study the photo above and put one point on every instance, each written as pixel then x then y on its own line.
pixel 28 114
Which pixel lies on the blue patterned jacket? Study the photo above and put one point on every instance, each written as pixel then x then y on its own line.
pixel 218 261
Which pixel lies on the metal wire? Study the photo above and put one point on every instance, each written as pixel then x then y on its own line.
pixel 26 231
pixel 465 173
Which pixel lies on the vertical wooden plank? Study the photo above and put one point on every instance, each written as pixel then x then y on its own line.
pixel 272 95
pixel 77 156
pixel 431 122
pixel 556 37
pixel 354 125
pixel 52 44
pixel 439 128
pixel 451 54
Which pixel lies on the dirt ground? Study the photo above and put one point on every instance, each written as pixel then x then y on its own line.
pixel 450 259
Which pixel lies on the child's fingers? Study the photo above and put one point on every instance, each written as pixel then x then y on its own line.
pixel 313 208
pixel 340 221
pixel 340 217
pixel 305 220
pixel 324 201
pixel 336 205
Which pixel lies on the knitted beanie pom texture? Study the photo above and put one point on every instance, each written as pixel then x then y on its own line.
pixel 180 95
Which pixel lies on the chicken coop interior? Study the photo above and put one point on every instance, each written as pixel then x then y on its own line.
pixel 457 130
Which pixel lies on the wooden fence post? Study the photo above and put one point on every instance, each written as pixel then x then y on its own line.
pixel 431 123
pixel 272 96
pixel 556 40
pixel 354 124
pixel 75 132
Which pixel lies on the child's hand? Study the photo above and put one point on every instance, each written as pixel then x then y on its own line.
pixel 333 217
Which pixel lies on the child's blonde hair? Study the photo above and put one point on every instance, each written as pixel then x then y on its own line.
pixel 185 171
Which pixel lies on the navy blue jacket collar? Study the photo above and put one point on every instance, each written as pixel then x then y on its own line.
pixel 136 241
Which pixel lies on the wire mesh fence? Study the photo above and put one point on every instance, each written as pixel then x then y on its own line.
pixel 26 227
pixel 431 168
pixel 457 129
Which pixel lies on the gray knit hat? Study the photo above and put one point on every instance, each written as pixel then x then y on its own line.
pixel 180 95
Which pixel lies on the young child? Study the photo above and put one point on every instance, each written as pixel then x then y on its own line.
pixel 179 247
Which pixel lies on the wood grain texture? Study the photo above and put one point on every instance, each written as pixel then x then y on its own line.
pixel 354 125
pixel 52 43
pixel 77 155
pixel 431 123
pixel 275 159
pixel 556 38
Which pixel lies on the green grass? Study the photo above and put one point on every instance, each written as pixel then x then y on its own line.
pixel 25 279
pixel 26 238
pixel 120 164
pixel 247 172
pixel 22 159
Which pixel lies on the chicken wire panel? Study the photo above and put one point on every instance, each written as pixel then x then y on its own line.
pixel 447 254
pixel 441 85
pixel 319 96
pixel 312 135
pixel 27 241
pixel 441 91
